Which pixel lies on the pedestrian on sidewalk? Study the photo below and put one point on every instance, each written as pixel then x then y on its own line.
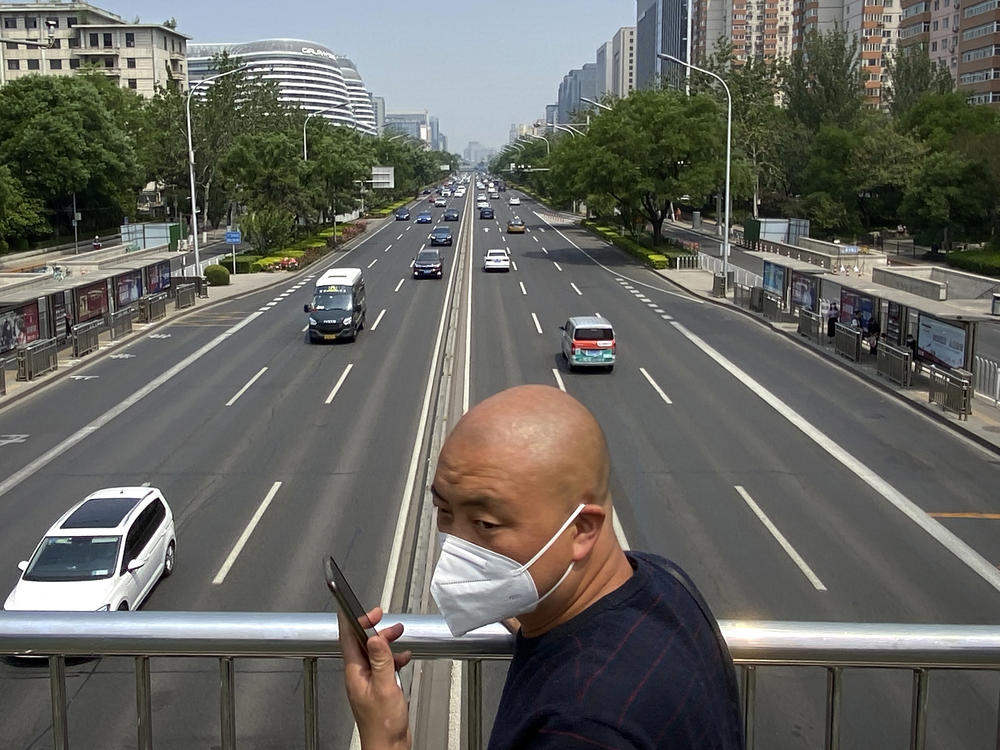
pixel 874 331
pixel 832 316
pixel 911 344
pixel 68 322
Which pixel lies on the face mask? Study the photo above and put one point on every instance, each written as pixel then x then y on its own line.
pixel 474 586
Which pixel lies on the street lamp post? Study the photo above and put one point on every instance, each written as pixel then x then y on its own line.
pixel 194 200
pixel 548 151
pixel 595 103
pixel 568 128
pixel 729 151
pixel 305 152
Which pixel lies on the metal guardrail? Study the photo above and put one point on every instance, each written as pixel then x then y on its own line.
pixel 895 363
pixel 37 358
pixel 86 337
pixel 811 325
pixel 120 322
pixel 952 389
pixel 986 382
pixel 847 341
pixel 153 307
pixel 687 263
pixel 740 275
pixel 226 636
pixel 185 296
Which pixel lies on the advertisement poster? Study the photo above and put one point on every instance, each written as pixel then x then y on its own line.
pixel 774 278
pixel 158 277
pixel 851 301
pixel 940 342
pixel 805 290
pixel 58 323
pixel 893 324
pixel 18 327
pixel 128 288
pixel 91 302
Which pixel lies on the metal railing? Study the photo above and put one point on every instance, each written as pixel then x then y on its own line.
pixel 811 325
pixel 153 307
pixel 895 363
pixel 847 341
pixel 37 358
pixel 952 389
pixel 227 636
pixel 740 275
pixel 3 376
pixel 986 382
pixel 185 296
pixel 687 263
pixel 87 337
pixel 120 322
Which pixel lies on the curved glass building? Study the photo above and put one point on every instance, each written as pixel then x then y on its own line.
pixel 308 74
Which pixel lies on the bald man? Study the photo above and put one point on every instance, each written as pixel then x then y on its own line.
pixel 613 649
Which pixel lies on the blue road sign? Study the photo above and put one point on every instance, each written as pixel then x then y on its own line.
pixel 234 237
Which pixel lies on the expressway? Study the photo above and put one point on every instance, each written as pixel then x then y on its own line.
pixel 788 489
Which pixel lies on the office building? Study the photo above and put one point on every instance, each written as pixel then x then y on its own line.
pixel 307 74
pixel 605 70
pixel 661 26
pixel 551 116
pixel 580 82
pixel 476 153
pixel 414 124
pixel 138 56
pixel 361 101
pixel 378 104
pixel 623 62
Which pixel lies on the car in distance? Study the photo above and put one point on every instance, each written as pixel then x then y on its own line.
pixel 105 553
pixel 424 217
pixel 515 226
pixel 403 214
pixel 485 212
pixel 494 194
pixel 513 201
pixel 451 214
pixel 496 260
pixel 440 203
pixel 428 264
pixel 440 236
pixel 589 341
pixel 481 197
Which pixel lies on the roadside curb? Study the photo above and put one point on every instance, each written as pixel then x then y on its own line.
pixel 939 417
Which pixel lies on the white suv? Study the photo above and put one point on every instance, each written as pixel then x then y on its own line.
pixel 105 553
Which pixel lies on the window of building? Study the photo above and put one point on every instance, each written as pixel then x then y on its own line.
pixel 30 23
pixel 93 39
pixel 33 64
pixel 934 26
pixel 74 63
pixel 56 43
pixel 129 39
pixel 55 64
pixel 13 65
pixel 132 83
pixel 130 62
pixel 109 62
pixel 71 22
pixel 74 43
pixel 172 46
pixel 52 21
pixel 10 23
pixel 107 40
pixel 12 45
pixel 984 7
pixel 944 22
pixel 933 46
pixel 164 43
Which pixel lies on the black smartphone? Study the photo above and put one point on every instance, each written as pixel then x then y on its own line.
pixel 356 615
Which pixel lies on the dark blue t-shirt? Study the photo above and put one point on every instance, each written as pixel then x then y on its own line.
pixel 641 668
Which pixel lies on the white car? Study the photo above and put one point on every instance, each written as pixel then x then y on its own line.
pixel 440 203
pixel 105 553
pixel 513 201
pixel 482 204
pixel 496 260
pixel 481 197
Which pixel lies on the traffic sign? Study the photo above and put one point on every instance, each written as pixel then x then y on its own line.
pixel 234 237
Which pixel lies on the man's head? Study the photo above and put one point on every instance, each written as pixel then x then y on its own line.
pixel 514 468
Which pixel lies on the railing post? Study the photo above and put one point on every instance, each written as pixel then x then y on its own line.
pixel 749 704
pixel 474 704
pixel 227 702
pixel 143 703
pixel 833 679
pixel 918 718
pixel 311 704
pixel 57 686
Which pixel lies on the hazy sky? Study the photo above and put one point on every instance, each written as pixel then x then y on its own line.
pixel 479 66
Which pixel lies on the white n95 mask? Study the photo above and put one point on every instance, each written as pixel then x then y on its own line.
pixel 474 586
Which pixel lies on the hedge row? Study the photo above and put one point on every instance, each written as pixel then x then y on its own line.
pixel 296 255
pixel 658 257
pixel 985 262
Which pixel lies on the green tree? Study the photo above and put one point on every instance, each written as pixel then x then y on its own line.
pixel 821 82
pixel 267 229
pixel 911 76
pixel 20 216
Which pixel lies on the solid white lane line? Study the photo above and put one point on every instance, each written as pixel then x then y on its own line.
pixel 523 290
pixel 656 388
pixel 576 288
pixel 780 538
pixel 340 382
pixel 538 326
pixel 245 388
pixel 241 542
pixel 559 380
pixel 373 263
pixel 972 559
pixel 558 267
pixel 513 264
pixel 377 320
pixel 398 285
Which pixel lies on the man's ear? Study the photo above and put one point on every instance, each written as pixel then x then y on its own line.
pixel 588 526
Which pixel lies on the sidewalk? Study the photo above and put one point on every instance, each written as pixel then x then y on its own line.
pixel 238 285
pixel 983 425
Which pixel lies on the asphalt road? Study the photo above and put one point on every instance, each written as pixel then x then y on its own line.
pixel 713 422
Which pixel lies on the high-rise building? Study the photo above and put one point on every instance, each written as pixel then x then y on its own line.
pixel 378 104
pixel 821 16
pixel 361 102
pixel 605 70
pixel 875 26
pixel 138 56
pixel 661 26
pixel 551 116
pixel 580 82
pixel 414 124
pixel 623 61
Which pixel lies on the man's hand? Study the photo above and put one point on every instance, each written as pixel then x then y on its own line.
pixel 376 699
